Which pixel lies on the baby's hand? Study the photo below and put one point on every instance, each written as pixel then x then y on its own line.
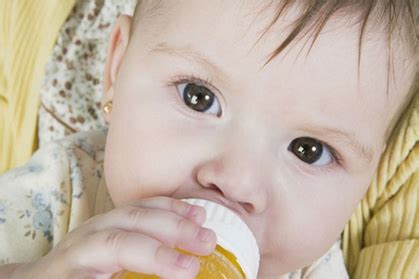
pixel 139 237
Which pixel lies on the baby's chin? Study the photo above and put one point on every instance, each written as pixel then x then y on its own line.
pixel 274 264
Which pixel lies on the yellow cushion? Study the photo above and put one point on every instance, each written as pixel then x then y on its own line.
pixel 382 238
pixel 28 30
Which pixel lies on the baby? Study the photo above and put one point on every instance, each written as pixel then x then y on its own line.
pixel 279 110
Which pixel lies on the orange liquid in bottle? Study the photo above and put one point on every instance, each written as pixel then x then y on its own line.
pixel 235 244
pixel 220 264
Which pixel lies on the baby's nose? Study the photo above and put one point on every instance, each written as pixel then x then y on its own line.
pixel 240 175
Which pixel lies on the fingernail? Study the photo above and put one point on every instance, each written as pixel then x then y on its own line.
pixel 184 261
pixel 204 235
pixel 194 212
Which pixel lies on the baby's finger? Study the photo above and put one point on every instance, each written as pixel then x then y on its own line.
pixel 114 250
pixel 192 212
pixel 169 228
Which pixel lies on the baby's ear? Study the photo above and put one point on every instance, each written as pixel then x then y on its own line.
pixel 117 47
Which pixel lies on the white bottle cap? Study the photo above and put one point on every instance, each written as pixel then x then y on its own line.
pixel 232 234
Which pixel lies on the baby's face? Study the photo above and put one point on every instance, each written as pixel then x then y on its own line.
pixel 291 146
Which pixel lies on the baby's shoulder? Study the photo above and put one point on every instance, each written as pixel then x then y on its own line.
pixel 54 192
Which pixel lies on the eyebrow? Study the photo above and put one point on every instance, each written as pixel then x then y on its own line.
pixel 361 150
pixel 194 56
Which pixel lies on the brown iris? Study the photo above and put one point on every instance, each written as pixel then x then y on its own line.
pixel 307 149
pixel 197 97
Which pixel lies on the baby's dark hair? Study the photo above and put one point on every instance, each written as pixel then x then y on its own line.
pixel 314 14
pixel 396 19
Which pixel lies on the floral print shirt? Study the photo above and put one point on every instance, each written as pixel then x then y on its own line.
pixel 62 186
pixel 56 191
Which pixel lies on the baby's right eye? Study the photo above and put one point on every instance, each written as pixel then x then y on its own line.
pixel 199 98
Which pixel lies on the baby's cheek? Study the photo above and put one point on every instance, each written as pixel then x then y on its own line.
pixel 302 233
pixel 121 174
pixel 141 175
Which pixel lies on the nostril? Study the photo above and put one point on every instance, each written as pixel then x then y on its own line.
pixel 248 206
pixel 214 187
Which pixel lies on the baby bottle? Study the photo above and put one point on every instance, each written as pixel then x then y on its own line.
pixel 236 255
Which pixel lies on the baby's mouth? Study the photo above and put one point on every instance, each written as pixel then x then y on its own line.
pixel 215 196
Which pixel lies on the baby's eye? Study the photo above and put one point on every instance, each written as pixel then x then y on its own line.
pixel 199 98
pixel 311 151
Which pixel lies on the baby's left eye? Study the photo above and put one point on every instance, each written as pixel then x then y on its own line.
pixel 199 98
pixel 311 151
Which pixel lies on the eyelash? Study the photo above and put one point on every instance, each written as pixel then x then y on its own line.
pixel 335 154
pixel 195 79
pixel 206 82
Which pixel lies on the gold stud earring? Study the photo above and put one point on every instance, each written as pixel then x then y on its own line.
pixel 107 108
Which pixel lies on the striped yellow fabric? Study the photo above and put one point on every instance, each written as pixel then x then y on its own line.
pixel 382 238
pixel 28 30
